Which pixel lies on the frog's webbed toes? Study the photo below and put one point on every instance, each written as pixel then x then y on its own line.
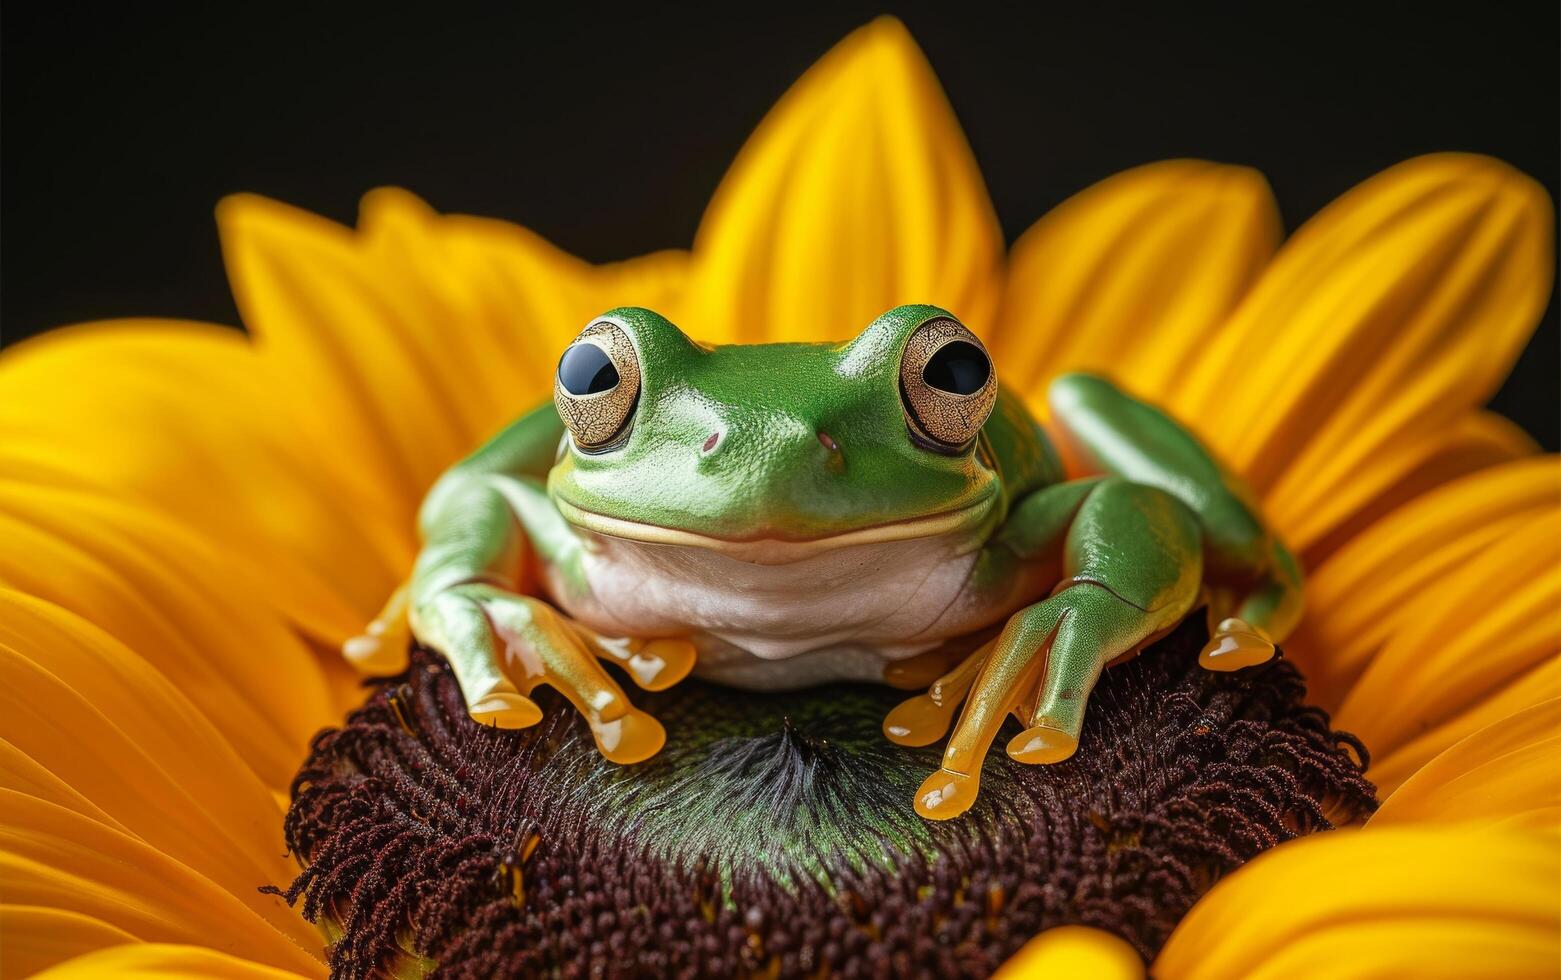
pixel 455 624
pixel 1234 644
pixel 1041 668
pixel 653 665
pixel 522 643
pixel 384 645
pixel 925 718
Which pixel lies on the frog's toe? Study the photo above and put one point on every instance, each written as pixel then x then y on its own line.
pixel 925 718
pixel 1235 644
pixel 370 655
pixel 505 709
pixel 1043 744
pixel 384 645
pixel 921 671
pixel 502 646
pixel 653 665
pixel 632 738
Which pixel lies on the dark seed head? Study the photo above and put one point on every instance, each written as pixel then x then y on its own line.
pixel 774 834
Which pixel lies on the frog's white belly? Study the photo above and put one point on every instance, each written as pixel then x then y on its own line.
pixel 833 614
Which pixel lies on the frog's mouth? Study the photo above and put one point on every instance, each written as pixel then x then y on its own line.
pixel 769 545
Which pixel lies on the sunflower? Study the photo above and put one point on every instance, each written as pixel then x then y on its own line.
pixel 194 520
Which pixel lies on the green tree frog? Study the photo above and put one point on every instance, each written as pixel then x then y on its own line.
pixel 782 515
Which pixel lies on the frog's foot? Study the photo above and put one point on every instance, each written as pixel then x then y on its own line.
pixel 1234 644
pixel 1041 668
pixel 501 646
pixel 384 645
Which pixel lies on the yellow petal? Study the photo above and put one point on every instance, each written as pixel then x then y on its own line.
pixel 856 194
pixel 404 345
pixel 33 937
pixel 53 858
pixel 1486 633
pixel 183 418
pixel 159 589
pixel 1507 773
pixel 138 759
pixel 1389 769
pixel 1394 902
pixel 441 309
pixel 518 300
pixel 1359 598
pixel 1395 477
pixel 165 960
pixel 24 774
pixel 1130 276
pixel 339 349
pixel 1389 315
pixel 1074 951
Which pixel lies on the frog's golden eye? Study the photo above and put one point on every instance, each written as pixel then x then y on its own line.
pixel 947 383
pixel 597 385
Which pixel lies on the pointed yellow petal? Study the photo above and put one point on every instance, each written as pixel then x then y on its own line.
pixel 1074 951
pixel 446 318
pixel 54 858
pixel 33 937
pixel 498 303
pixel 182 418
pixel 1130 276
pixel 1485 633
pixel 1389 315
pixel 133 750
pixel 406 344
pixel 1395 902
pixel 1507 773
pixel 165 961
pixel 1363 594
pixel 158 589
pixel 338 348
pixel 856 194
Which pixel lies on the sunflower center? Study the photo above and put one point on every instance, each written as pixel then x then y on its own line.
pixel 774 833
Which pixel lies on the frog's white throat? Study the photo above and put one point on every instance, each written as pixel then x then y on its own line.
pixel 852 606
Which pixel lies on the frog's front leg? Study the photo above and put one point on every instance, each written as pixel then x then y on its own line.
pixel 1132 563
pixel 464 600
pixel 1254 582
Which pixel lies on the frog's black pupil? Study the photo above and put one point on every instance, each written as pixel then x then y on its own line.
pixel 585 369
pixel 959 367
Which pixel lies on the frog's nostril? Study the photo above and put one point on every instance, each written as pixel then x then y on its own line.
pixel 712 442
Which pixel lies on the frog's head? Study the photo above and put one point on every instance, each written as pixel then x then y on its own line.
pixel 775 449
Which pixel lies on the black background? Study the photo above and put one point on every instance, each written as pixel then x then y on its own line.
pixel 606 130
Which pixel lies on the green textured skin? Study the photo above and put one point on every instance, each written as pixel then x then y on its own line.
pixel 1134 545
